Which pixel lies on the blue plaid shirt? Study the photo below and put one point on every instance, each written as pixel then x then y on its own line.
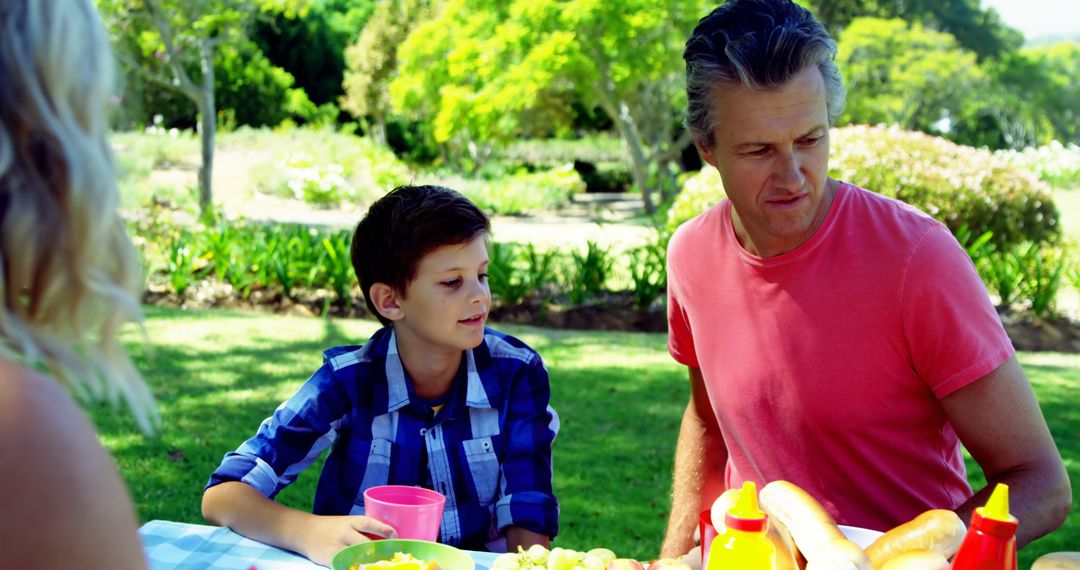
pixel 488 450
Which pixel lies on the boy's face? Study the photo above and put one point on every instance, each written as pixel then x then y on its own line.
pixel 447 302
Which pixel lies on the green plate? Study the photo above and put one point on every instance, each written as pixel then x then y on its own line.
pixel 446 556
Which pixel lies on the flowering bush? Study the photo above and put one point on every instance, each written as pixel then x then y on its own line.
pixel 956 184
pixel 331 169
pixel 1056 164
pixel 519 192
pixel 317 184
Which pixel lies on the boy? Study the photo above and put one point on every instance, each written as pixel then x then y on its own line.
pixel 433 399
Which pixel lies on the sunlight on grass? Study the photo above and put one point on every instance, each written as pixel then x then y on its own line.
pixel 1068 204
pixel 620 397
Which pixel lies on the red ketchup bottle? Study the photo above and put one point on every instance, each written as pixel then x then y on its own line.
pixel 990 543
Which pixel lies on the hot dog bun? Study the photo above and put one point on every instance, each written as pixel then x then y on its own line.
pixel 787 557
pixel 812 528
pixel 721 506
pixel 1058 561
pixel 838 554
pixel 917 560
pixel 938 530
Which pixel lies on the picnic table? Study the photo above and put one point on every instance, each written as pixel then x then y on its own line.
pixel 182 546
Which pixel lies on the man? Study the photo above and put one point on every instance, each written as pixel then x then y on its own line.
pixel 835 338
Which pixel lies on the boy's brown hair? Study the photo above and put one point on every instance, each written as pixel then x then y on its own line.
pixel 402 227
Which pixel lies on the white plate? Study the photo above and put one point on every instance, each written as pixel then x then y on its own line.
pixel 861 536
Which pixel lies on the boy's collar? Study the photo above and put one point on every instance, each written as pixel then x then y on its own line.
pixel 398 391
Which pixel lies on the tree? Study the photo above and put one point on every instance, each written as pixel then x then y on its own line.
pixel 185 38
pixel 1020 108
pixel 481 66
pixel 312 47
pixel 976 29
pixel 1060 63
pixel 371 61
pixel 901 73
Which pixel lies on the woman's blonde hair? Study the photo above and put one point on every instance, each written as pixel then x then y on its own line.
pixel 70 275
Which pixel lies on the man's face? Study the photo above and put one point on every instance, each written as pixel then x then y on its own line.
pixel 446 304
pixel 771 148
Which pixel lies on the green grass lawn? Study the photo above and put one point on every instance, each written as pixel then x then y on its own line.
pixel 1068 203
pixel 619 395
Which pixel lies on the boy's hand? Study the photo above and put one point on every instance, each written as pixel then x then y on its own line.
pixel 326 535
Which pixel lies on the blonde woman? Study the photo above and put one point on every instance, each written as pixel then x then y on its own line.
pixel 68 279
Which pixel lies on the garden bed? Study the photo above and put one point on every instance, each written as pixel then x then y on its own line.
pixel 608 312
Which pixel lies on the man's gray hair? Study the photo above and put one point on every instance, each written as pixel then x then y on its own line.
pixel 759 44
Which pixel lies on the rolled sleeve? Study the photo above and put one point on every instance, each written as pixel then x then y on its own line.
pixel 534 511
pixel 527 499
pixel 289 440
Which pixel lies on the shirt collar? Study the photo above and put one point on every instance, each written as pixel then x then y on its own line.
pixel 397 391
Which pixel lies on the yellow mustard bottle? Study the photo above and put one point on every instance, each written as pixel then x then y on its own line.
pixel 743 544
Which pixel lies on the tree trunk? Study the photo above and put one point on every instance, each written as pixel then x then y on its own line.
pixel 618 112
pixel 207 130
pixel 378 129
pixel 639 163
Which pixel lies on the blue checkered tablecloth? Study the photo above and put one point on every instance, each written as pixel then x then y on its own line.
pixel 181 546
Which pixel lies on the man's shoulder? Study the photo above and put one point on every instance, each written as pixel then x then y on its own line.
pixel 499 345
pixel 705 225
pixel 866 207
pixel 708 220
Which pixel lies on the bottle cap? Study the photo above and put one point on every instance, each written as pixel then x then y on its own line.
pixel 997 507
pixel 746 515
pixel 994 518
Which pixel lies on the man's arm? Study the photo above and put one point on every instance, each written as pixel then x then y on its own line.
pixel 700 457
pixel 999 422
pixel 240 507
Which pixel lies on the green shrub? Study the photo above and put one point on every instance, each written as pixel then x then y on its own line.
pixel 607 176
pixel 506 277
pixel 517 193
pixel 553 152
pixel 588 273
pixel 699 192
pixel 156 147
pixel 648 272
pixel 322 167
pixel 955 184
pixel 1056 164
pixel 321 185
pixel 1043 269
pixel 600 160
pixel 958 185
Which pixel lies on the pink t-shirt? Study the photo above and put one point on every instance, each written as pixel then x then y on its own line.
pixel 825 365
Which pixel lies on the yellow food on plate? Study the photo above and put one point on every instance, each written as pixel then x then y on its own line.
pixel 400 561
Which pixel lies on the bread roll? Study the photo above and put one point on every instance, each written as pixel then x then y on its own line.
pixel 670 564
pixel 787 557
pixel 1058 561
pixel 917 560
pixel 721 506
pixel 812 528
pixel 938 530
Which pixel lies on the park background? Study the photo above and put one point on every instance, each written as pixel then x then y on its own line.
pixel 251 134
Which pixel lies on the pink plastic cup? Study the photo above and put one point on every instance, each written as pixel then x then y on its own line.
pixel 708 533
pixel 414 512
